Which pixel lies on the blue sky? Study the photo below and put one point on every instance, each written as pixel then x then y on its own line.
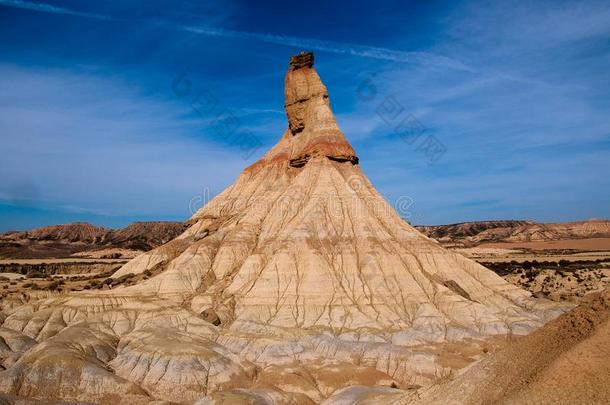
pixel 516 92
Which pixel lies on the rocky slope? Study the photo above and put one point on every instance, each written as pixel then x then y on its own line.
pixel 65 240
pixel 474 233
pixel 296 281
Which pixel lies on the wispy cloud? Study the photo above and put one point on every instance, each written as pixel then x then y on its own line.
pixel 365 51
pixel 255 111
pixel 532 136
pixel 104 146
pixel 48 8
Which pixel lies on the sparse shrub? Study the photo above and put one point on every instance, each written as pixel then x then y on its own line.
pixel 53 286
pixel 35 274
pixel 124 279
pixel 530 274
pixel 107 273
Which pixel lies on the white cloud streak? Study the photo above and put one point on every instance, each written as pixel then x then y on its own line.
pixel 48 8
pixel 365 51
pixel 424 58
pixel 90 139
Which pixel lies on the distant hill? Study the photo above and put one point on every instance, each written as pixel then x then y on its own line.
pixel 75 232
pixel 474 233
pixel 67 239
pixel 144 235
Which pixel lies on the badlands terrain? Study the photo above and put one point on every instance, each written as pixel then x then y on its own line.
pixel 300 284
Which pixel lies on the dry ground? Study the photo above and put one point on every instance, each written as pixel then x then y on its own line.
pixel 22 279
pixel 565 270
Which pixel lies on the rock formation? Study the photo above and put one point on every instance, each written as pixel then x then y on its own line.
pixel 296 281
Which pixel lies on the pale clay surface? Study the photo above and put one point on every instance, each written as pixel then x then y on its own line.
pixel 317 283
